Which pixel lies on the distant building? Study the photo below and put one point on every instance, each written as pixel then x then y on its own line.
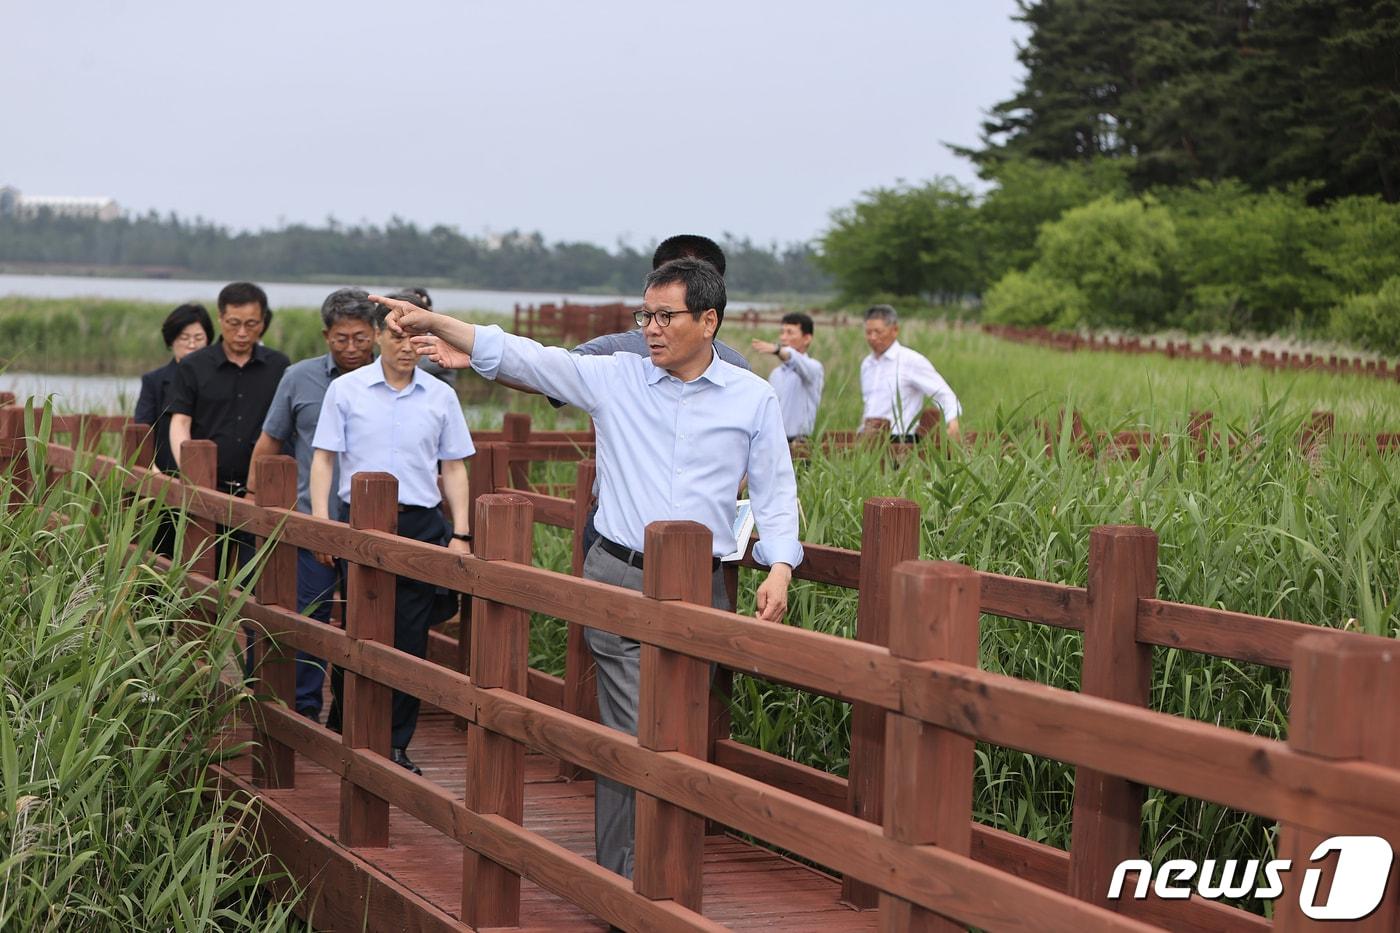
pixel 14 203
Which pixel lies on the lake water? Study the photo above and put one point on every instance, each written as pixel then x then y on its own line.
pixel 286 294
pixel 96 394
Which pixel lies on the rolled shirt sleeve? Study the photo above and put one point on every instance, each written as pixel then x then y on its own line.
pixel 330 427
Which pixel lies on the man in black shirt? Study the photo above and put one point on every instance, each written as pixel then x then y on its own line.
pixel 222 393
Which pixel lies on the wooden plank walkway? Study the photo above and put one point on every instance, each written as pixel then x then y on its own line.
pixel 746 887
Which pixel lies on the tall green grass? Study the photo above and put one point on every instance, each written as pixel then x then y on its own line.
pixel 1255 525
pixel 108 820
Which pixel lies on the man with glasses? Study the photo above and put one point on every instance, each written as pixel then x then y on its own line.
pixel 678 429
pixel 222 392
pixel 348 316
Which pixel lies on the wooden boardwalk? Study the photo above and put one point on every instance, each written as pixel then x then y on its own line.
pixel 746 887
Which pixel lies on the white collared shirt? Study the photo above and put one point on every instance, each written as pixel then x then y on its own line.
pixel 798 383
pixel 895 384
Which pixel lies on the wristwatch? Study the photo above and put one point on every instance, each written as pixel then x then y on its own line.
pixel 462 536
pixel 778 351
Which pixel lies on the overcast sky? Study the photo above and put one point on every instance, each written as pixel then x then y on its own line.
pixel 597 120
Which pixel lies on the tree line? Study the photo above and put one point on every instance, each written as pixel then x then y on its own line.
pixel 1229 166
pixel 398 250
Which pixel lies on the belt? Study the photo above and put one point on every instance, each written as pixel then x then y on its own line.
pixel 634 558
pixel 402 508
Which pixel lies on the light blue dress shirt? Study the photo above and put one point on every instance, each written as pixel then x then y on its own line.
pixel 798 383
pixel 667 450
pixel 376 429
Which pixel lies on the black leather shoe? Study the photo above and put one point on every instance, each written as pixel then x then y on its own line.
pixel 400 757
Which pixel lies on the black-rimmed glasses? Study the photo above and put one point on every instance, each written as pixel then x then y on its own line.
pixel 643 317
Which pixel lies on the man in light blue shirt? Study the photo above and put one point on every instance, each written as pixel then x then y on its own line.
pixel 678 430
pixel 798 380
pixel 392 417
pixel 348 316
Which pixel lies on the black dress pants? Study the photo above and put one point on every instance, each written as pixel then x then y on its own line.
pixel 414 603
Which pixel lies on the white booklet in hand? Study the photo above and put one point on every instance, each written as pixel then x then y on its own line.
pixel 743 530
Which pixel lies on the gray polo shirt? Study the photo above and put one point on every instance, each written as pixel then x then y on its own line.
pixel 296 407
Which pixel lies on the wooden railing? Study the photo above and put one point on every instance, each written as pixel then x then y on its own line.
pixel 902 830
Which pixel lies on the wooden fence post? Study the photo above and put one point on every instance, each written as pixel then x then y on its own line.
pixel 516 428
pixel 889 536
pixel 673 716
pixel 580 685
pixel 277 586
pixel 481 480
pixel 369 616
pixel 496 764
pixel 1316 430
pixel 928 781
pixel 138 445
pixel 1344 706
pixel 1107 815
pixel 199 466
pixel 13 453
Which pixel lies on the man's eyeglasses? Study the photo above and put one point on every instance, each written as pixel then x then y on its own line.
pixel 241 325
pixel 643 317
pixel 359 341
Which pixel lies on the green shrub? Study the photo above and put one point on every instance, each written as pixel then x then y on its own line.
pixel 1121 255
pixel 1373 321
pixel 1033 299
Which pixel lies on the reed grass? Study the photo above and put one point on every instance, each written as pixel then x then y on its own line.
pixel 108 820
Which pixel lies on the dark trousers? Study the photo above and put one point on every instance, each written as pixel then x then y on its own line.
pixel 316 586
pixel 414 603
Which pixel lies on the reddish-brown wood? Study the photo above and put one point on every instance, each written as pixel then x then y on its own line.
pixel 928 781
pixel 1327 721
pixel 495 763
pixel 369 616
pixel 889 535
pixel 1107 821
pixel 672 716
pixel 516 427
pixel 199 466
pixel 276 586
pixel 138 445
pixel 1224 634
pixel 13 454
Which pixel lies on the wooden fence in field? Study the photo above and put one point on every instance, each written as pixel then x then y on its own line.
pixel 1185 350
pixel 899 829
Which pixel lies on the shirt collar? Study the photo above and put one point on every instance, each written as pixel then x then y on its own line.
pixel 259 353
pixel 331 368
pixel 376 376
pixel 889 351
pixel 714 372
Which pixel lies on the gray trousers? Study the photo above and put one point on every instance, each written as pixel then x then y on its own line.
pixel 619 663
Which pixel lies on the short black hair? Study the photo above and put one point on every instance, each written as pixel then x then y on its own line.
pixel 803 321
pixel 245 293
pixel 345 303
pixel 414 296
pixel 688 246
pixel 704 286
pixel 182 317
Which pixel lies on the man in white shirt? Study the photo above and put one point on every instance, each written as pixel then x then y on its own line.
pixel 895 380
pixel 798 380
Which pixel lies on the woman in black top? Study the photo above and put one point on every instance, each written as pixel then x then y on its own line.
pixel 186 329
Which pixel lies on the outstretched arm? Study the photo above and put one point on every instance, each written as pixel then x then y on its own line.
pixel 406 318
